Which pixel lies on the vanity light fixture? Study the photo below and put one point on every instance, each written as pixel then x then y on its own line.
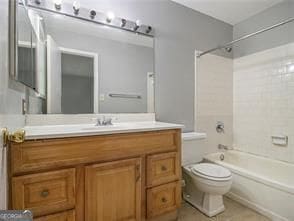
pixel 110 16
pixel 92 14
pixel 75 10
pixel 137 25
pixel 123 22
pixel 76 7
pixel 148 30
pixel 57 4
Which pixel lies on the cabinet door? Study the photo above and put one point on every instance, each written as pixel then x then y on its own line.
pixel 113 191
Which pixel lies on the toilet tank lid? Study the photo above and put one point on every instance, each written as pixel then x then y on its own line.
pixel 193 136
pixel 211 170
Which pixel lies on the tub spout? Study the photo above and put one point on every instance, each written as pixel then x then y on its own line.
pixel 224 147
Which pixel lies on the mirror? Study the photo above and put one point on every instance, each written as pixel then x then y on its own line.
pixel 27 60
pixel 96 69
pixel 87 67
pixel 26 49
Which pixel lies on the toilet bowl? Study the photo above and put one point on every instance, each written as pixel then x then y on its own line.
pixel 206 183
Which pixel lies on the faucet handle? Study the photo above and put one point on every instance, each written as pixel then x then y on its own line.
pixel 98 121
pixel 108 121
pixel 220 127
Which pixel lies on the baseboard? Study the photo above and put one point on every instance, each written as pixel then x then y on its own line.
pixel 171 216
pixel 273 216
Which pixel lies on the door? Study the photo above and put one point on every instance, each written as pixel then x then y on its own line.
pixel 113 191
pixel 77 73
pixel 54 78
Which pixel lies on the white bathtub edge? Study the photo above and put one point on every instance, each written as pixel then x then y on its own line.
pixel 256 207
pixel 253 176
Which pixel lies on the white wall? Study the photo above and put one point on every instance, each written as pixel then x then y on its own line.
pixel 270 39
pixel 264 102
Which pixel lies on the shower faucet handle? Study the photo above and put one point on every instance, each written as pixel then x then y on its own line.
pixel 220 127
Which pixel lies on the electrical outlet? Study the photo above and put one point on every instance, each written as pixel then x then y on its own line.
pixel 102 97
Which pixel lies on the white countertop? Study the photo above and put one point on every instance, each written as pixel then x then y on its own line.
pixel 77 130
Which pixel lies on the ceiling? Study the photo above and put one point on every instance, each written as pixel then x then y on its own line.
pixel 229 11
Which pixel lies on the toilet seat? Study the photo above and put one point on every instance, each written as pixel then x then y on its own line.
pixel 211 172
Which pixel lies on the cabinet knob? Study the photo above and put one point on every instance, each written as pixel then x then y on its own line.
pixel 45 193
pixel 163 168
pixel 163 199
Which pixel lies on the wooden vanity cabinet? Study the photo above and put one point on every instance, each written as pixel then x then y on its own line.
pixel 119 177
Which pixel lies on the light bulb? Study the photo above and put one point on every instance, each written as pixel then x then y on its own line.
pixel 76 7
pixel 148 30
pixel 110 16
pixel 57 4
pixel 138 22
pixel 92 14
pixel 137 25
pixel 123 22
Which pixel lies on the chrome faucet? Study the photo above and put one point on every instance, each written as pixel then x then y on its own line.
pixel 223 147
pixel 104 121
pixel 220 127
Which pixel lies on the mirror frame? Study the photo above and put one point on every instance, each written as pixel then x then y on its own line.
pixel 13 5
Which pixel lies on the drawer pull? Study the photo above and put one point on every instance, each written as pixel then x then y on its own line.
pixel 163 199
pixel 45 193
pixel 163 168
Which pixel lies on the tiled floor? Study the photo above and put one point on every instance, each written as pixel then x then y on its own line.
pixel 234 212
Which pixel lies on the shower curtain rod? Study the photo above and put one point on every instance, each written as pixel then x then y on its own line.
pixel 246 36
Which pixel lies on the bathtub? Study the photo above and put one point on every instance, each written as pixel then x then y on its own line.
pixel 260 183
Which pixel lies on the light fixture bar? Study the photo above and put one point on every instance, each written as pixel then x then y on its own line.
pixel 91 15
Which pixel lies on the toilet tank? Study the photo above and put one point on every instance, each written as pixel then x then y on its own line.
pixel 194 147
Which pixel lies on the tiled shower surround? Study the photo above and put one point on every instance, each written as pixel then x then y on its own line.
pixel 263 102
pixel 214 91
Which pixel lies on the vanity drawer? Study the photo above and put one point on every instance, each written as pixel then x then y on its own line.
pixel 44 193
pixel 64 216
pixel 163 199
pixel 34 155
pixel 162 168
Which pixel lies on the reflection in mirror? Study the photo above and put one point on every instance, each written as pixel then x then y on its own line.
pixel 92 68
pixel 28 62
pixel 26 49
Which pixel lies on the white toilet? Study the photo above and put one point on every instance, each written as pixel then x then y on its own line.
pixel 206 183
